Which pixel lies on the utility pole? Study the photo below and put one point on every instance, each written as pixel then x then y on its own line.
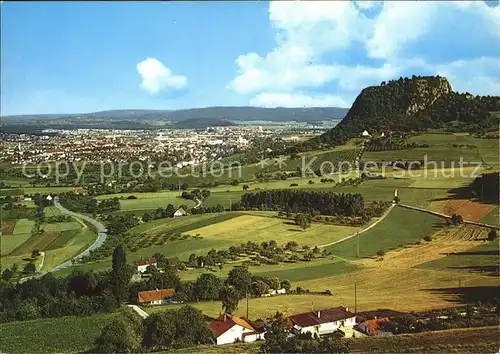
pixel 247 305
pixel 357 244
pixel 355 297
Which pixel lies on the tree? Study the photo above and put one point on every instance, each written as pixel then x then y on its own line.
pixel 492 235
pixel 278 338
pixel 35 253
pixel 7 274
pixel 230 298
pixel 380 253
pixel 303 220
pixel 274 283
pixel 245 187
pixel 146 217
pixel 207 287
pixel 120 275
pixel 259 288
pixel 176 329
pixel 241 279
pixel 119 336
pixel 165 280
pixel 169 211
pixel 30 268
pixel 285 284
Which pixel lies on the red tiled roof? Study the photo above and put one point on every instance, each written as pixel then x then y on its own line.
pixel 307 319
pixel 146 261
pixel 225 322
pixel 373 327
pixel 155 295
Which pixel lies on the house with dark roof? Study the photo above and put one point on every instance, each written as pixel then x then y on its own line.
pixel 229 329
pixel 155 297
pixel 323 322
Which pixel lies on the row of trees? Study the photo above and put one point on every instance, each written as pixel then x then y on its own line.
pixel 383 144
pixel 88 204
pixel 325 203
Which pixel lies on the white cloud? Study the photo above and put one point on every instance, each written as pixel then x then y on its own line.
pixel 157 77
pixel 310 34
pixel 272 100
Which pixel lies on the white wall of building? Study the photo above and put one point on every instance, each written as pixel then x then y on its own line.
pixel 233 334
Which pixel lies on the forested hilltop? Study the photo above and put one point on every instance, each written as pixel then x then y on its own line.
pixel 416 103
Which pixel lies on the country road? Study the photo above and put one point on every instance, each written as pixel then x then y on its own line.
pixel 365 229
pixel 101 237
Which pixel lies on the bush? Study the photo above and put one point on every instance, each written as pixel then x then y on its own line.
pixel 428 238
pixel 380 253
pixel 294 185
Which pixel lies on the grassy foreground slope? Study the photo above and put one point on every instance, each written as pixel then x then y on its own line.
pixel 52 335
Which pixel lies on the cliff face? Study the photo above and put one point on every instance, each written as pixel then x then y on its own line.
pixel 409 104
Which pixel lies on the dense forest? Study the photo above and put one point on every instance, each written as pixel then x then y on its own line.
pixel 412 104
pixel 325 203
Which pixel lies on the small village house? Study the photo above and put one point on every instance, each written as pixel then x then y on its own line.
pixel 155 297
pixel 143 264
pixel 374 327
pixel 229 329
pixel 180 212
pixel 365 133
pixel 323 322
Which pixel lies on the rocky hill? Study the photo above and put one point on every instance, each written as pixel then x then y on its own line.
pixel 415 103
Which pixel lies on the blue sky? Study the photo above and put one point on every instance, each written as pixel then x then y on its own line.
pixel 71 57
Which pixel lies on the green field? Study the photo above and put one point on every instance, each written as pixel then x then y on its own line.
pixel 481 259
pixel 400 227
pixel 493 218
pixel 47 190
pixel 11 192
pixel 256 228
pixel 23 226
pixel 52 335
pixel 441 149
pixel 8 243
pixel 61 226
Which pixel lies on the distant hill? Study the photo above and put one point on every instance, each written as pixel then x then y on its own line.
pixel 202 123
pixel 415 103
pixel 222 113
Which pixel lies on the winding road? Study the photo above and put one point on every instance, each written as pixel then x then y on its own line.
pixel 365 229
pixel 101 236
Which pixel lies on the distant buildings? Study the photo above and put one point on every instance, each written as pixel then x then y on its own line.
pixel 180 212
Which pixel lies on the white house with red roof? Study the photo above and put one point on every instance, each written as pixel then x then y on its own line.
pixel 229 329
pixel 323 322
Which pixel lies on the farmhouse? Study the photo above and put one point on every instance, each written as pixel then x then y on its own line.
pixel 180 212
pixel 323 322
pixel 229 329
pixel 155 297
pixel 143 264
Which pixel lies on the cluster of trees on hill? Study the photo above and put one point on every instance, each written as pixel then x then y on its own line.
pixel 87 204
pixel 196 194
pixel 118 224
pixel 326 203
pixel 406 104
pixel 383 144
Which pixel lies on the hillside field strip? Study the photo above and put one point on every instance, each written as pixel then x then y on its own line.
pixel 53 335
